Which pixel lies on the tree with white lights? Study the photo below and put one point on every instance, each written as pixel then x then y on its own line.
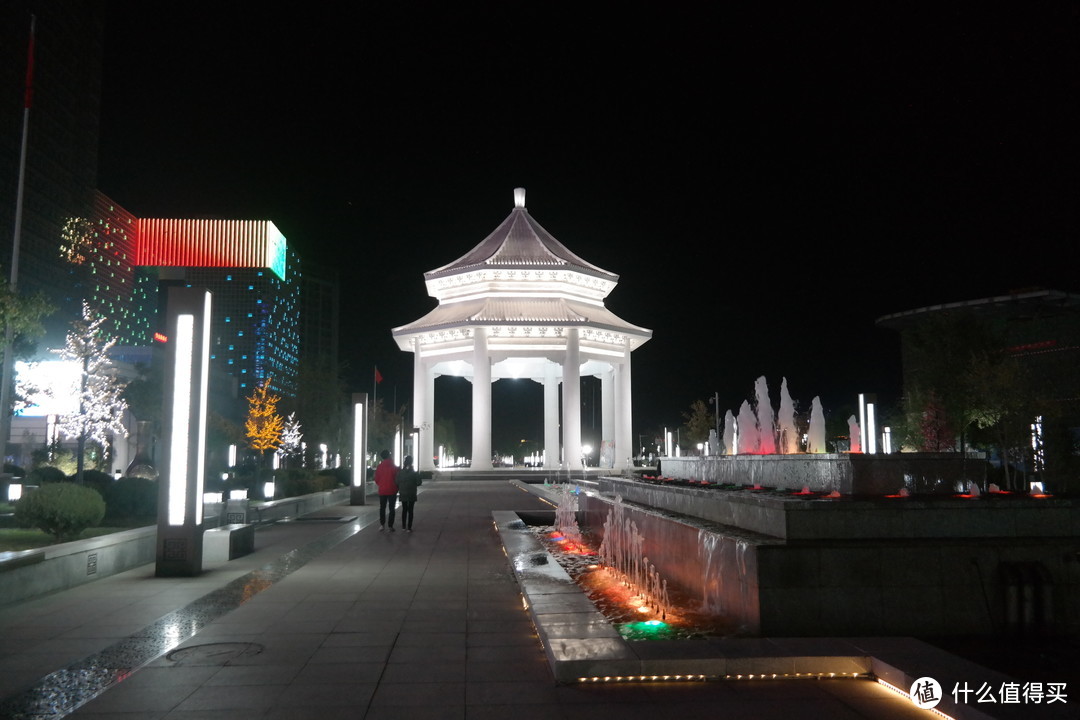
pixel 290 439
pixel 101 403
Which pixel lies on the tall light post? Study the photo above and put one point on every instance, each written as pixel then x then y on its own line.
pixel 7 381
pixel 358 490
pixel 180 495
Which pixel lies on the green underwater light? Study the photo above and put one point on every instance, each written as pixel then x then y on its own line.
pixel 647 630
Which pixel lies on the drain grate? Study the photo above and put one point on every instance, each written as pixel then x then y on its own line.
pixel 325 519
pixel 213 653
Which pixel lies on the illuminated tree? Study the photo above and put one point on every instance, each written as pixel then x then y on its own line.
pixel 264 424
pixel 76 240
pixel 100 394
pixel 290 439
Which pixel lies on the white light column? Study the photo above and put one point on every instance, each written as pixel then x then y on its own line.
pixel 423 409
pixel 551 417
pixel 180 489
pixel 481 402
pixel 571 397
pixel 607 417
pixel 623 416
pixel 358 489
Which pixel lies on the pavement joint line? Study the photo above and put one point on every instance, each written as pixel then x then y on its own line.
pixel 63 691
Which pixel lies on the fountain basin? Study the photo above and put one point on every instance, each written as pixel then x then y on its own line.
pixel 791 516
pixel 581 647
pixel 846 473
pixel 788 566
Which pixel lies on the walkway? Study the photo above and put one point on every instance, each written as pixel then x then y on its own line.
pixel 331 619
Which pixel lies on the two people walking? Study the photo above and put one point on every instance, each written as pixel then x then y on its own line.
pixel 394 482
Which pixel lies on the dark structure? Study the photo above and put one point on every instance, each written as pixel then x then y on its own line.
pixel 1038 333
pixel 62 152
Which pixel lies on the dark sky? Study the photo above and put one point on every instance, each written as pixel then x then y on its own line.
pixel 766 183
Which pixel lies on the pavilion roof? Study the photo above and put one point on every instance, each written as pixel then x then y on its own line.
pixel 546 312
pixel 520 242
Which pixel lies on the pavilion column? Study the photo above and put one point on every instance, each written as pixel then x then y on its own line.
pixel 423 409
pixel 624 431
pixel 481 402
pixel 571 399
pixel 607 417
pixel 551 416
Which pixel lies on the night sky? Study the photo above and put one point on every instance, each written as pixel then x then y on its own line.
pixel 766 183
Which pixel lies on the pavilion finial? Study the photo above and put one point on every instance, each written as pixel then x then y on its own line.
pixel 519 197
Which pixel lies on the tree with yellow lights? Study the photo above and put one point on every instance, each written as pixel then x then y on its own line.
pixel 263 425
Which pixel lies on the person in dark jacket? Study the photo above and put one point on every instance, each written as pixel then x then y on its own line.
pixel 407 481
pixel 386 479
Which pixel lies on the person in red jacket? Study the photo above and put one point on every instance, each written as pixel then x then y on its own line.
pixel 386 480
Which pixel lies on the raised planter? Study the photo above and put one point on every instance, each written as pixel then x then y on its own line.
pixel 31 573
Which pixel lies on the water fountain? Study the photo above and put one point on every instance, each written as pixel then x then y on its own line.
pixel 814 542
pixel 815 438
pixel 765 422
pixel 730 434
pixel 789 439
pixel 854 435
pixel 566 514
pixel 748 441
pixel 622 552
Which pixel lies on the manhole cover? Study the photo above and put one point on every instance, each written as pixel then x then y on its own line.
pixel 213 653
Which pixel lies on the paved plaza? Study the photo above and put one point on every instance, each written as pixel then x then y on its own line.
pixel 331 618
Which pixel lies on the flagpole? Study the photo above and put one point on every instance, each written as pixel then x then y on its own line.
pixel 9 331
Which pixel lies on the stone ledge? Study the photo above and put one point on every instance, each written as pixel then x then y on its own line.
pixel 580 651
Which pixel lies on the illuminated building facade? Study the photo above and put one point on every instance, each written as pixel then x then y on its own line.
pixel 114 284
pixel 522 305
pixel 256 281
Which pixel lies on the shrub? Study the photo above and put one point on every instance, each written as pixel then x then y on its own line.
pixel 131 499
pixel 100 481
pixel 44 475
pixel 55 456
pixel 14 470
pixel 293 482
pixel 333 478
pixel 61 509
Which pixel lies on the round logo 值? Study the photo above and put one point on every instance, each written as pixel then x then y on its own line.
pixel 925 692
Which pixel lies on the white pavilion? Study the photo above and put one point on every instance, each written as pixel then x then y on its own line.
pixel 522 305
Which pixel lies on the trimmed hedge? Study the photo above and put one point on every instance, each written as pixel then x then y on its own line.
pixel 131 498
pixel 45 474
pixel 97 479
pixel 61 509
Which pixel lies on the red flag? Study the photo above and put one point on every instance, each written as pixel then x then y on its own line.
pixel 378 376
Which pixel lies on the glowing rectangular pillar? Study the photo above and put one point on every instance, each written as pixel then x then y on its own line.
pixel 180 486
pixel 358 489
pixel 867 423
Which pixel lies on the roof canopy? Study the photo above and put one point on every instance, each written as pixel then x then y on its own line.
pixel 525 287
